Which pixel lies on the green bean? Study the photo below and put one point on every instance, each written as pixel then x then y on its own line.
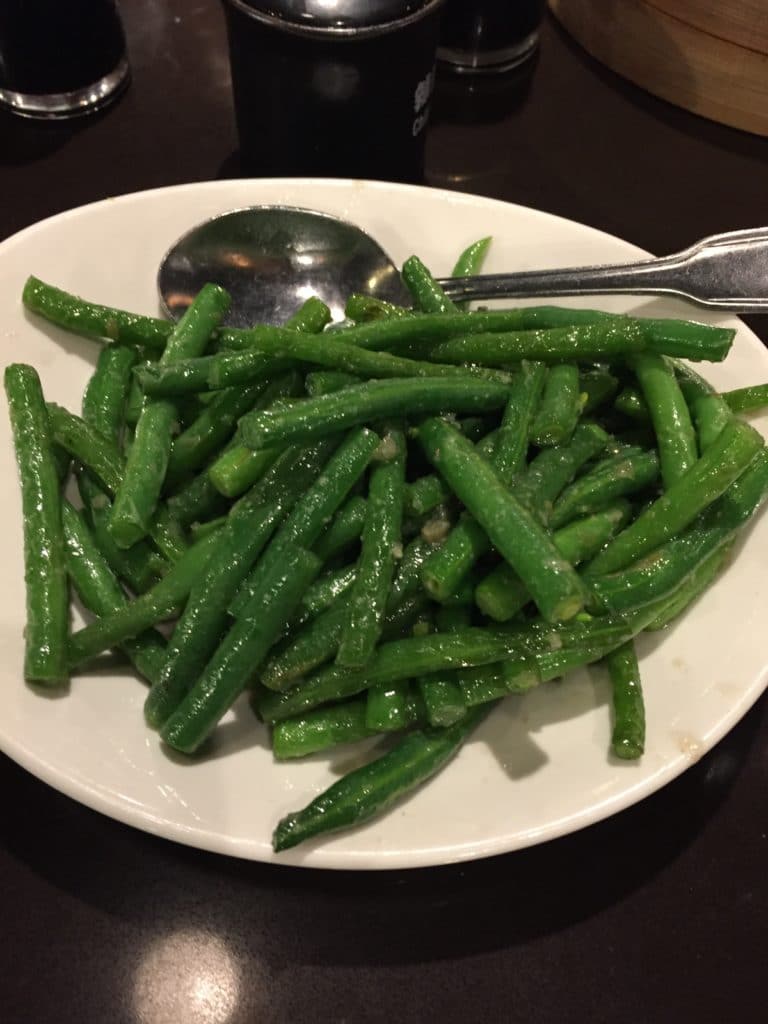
pixel 705 481
pixel 710 411
pixel 94 321
pixel 317 505
pixel 197 501
pixel 393 661
pixel 198 631
pixel 628 739
pixel 411 617
pixel 710 416
pixel 318 639
pixel 502 593
pixel 215 423
pixel 105 323
pixel 331 726
pixel 702 577
pixel 560 406
pixel 209 431
pixel 353 406
pixel 309 647
pixel 87 446
pixel 133 403
pixel 669 414
pixel 63 461
pixel 429 492
pixel 199 375
pixel 137 497
pixel 105 460
pixel 466 542
pixel 660 575
pixel 464 595
pixel 688 339
pixel 554 468
pixel 443 700
pixel 427 294
pixel 368 791
pixel 45 634
pixel 470 262
pixel 140 566
pixel 148 609
pixel 612 478
pixel 434 328
pixel 101 594
pixel 514 434
pixel 447 567
pixel 630 403
pixel 691 383
pixel 242 650
pixel 596 387
pixel 365 308
pixel 324 592
pixel 681 338
pixel 407 579
pixel 512 530
pixel 321 729
pixel 323 382
pixel 238 468
pixel 107 390
pixel 491 682
pixel 189 407
pixel 588 343
pixel 425 494
pixel 388 708
pixel 224 370
pixel 199 530
pixel 551 653
pixel 345 529
pixel 381 534
pixel 749 399
pixel 311 317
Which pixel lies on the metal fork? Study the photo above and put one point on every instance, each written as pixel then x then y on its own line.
pixel 728 271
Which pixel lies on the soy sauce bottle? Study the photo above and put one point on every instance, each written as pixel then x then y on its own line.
pixel 339 90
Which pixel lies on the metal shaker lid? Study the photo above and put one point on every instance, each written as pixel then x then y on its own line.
pixel 334 17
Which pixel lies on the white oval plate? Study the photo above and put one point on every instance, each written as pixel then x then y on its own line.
pixel 539 767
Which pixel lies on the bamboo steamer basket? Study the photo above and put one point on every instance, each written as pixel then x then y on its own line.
pixel 709 56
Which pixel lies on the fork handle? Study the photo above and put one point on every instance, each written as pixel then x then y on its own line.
pixel 727 271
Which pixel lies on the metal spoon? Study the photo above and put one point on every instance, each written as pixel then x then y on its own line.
pixel 272 258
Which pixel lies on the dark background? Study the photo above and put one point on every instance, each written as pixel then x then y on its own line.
pixel 658 914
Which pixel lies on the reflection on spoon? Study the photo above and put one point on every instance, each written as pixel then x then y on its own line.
pixel 271 259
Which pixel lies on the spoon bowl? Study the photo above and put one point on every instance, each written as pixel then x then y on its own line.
pixel 271 259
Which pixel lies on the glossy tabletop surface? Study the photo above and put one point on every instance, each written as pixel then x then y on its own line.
pixel 659 914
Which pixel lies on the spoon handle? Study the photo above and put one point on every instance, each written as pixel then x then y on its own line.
pixel 727 271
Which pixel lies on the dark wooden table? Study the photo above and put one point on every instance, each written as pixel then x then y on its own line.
pixel 659 914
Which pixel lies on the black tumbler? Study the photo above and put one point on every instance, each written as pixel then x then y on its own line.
pixel 60 59
pixel 336 89
pixel 489 35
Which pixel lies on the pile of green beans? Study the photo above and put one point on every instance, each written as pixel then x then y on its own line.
pixel 383 530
